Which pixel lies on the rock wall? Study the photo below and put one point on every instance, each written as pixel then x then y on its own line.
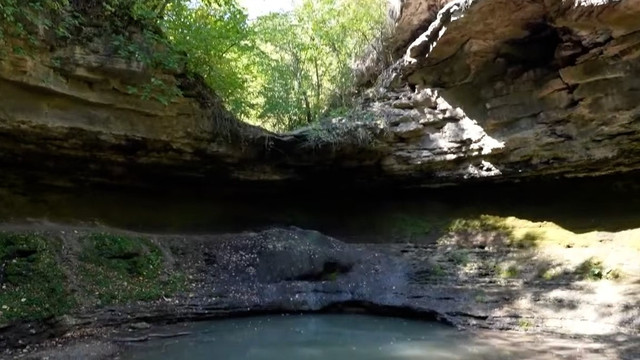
pixel 556 82
pixel 74 113
pixel 493 90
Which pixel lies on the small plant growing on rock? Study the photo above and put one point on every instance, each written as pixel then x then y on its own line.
pixel 482 223
pixel 528 241
pixel 437 270
pixel 509 272
pixel 593 269
pixel 549 274
pixel 525 324
pixel 459 257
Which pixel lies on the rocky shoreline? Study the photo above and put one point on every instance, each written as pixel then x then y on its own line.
pixel 462 280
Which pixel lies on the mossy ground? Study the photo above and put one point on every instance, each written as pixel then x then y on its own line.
pixel 119 269
pixel 40 277
pixel 33 286
pixel 541 251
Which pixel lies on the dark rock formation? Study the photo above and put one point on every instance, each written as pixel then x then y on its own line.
pixel 456 281
pixel 485 89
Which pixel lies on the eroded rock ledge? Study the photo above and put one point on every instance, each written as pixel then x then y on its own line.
pixel 462 280
pixel 554 81
pixel 489 90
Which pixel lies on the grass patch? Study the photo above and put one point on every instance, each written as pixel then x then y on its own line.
pixel 525 324
pixel 119 269
pixel 509 272
pixel 529 240
pixel 481 223
pixel 513 232
pixel 593 269
pixel 549 274
pixel 459 257
pixel 590 269
pixel 31 281
pixel 437 270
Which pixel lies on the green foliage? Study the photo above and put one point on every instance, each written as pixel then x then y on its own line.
pixel 459 257
pixel 525 324
pixel 482 223
pixel 23 20
pixel 303 61
pixel 437 270
pixel 282 70
pixel 509 272
pixel 594 269
pixel 32 283
pixel 549 274
pixel 216 38
pixel 120 268
pixel 112 269
pixel 527 241
pixel 591 269
pixel 505 227
pixel 132 31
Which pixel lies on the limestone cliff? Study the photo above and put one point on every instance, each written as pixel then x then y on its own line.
pixel 482 89
pixel 554 82
pixel 71 109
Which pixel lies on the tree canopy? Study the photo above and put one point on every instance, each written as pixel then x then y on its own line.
pixel 281 70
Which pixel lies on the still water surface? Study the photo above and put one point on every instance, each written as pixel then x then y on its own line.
pixel 333 337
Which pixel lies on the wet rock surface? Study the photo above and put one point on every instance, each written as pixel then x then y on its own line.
pixel 296 271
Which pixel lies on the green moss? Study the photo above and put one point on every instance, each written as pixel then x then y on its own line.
pixel 118 269
pixel 594 269
pixel 437 270
pixel 481 223
pixel 527 241
pixel 513 231
pixel 509 272
pixel 33 284
pixel 459 257
pixel 590 269
pixel 525 324
pixel 549 274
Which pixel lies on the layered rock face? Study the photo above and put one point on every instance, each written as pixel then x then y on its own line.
pixel 482 89
pixel 553 84
pixel 78 110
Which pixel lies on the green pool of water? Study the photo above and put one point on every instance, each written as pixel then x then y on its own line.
pixel 332 337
